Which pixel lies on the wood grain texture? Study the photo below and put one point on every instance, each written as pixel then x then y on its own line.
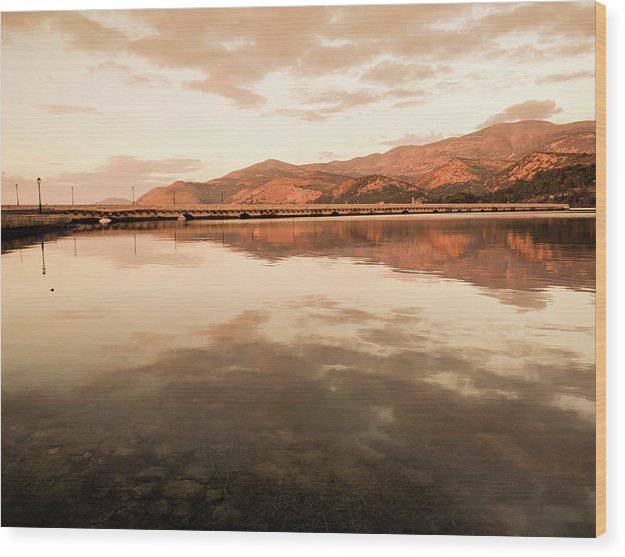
pixel 600 270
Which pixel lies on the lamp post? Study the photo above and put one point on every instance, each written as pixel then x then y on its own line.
pixel 72 195
pixel 222 196
pixel 39 191
pixel 133 194
pixel 17 195
pixel 174 194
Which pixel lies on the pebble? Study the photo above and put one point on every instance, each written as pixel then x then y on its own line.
pixel 124 451
pixel 152 473
pixel 313 456
pixel 183 489
pixel 214 495
pixel 143 490
pixel 226 513
pixel 160 508
pixel 182 512
pixel 269 471
pixel 197 472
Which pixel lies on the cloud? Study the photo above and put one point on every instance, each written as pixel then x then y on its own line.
pixel 234 50
pixel 562 77
pixel 528 110
pixel 240 96
pixel 413 139
pixel 340 100
pixel 111 179
pixel 328 155
pixel 544 19
pixel 62 109
pixel 129 75
pixel 409 104
pixel 80 30
pixel 308 115
pixel 321 106
pixel 394 73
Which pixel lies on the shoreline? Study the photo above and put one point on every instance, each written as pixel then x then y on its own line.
pixel 16 224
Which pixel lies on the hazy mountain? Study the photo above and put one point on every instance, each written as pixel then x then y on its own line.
pixel 115 201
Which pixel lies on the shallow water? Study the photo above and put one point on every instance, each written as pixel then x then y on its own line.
pixel 418 374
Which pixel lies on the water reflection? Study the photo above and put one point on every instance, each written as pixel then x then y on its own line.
pixel 367 375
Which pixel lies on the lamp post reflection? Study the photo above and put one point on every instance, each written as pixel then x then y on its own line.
pixel 43 259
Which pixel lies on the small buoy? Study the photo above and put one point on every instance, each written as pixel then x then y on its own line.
pixel 104 221
pixel 51 289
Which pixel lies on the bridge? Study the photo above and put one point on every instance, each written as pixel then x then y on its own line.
pixel 13 214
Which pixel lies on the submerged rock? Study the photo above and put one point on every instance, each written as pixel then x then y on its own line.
pixel 153 473
pixel 182 512
pixel 143 490
pixel 200 472
pixel 226 513
pixel 183 489
pixel 160 508
pixel 124 451
pixel 313 456
pixel 214 495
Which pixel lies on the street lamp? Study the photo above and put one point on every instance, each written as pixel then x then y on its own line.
pixel 174 192
pixel 133 194
pixel 17 195
pixel 39 190
pixel 72 195
pixel 222 196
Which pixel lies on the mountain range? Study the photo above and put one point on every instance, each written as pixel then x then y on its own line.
pixel 530 160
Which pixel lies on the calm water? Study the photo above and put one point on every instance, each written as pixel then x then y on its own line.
pixel 411 375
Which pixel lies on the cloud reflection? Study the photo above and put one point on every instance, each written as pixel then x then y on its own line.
pixel 308 436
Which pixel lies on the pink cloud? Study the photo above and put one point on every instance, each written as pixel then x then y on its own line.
pixel 393 73
pixel 528 110
pixel 413 139
pixel 562 77
pixel 233 50
pixel 63 109
pixel 112 179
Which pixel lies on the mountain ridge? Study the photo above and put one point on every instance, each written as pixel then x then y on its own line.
pixel 451 166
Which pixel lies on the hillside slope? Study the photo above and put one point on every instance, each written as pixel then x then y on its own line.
pixel 502 142
pixel 463 167
pixel 538 177
pixel 373 189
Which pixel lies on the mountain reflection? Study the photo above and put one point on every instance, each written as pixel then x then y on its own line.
pixel 518 253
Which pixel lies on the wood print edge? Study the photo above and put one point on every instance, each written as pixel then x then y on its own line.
pixel 600 316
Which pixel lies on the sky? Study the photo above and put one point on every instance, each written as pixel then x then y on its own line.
pixel 102 100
